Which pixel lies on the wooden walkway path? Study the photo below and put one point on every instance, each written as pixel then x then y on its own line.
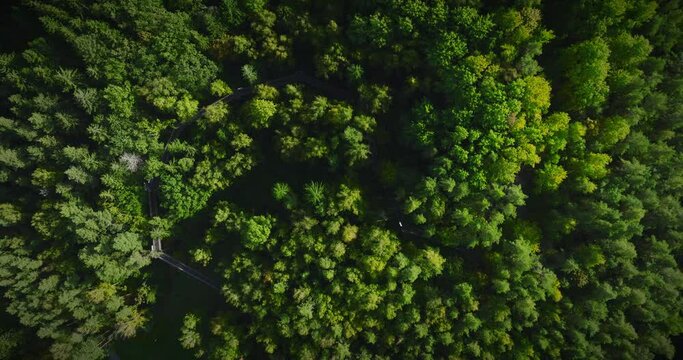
pixel 152 186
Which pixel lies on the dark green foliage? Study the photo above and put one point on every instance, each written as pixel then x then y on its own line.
pixel 494 180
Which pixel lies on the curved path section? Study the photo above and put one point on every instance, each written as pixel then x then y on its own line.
pixel 152 186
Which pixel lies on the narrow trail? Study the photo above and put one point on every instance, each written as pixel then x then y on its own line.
pixel 180 266
pixel 152 186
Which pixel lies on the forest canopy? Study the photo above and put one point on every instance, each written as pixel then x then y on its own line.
pixel 307 179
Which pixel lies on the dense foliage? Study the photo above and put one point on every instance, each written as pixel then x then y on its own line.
pixel 472 180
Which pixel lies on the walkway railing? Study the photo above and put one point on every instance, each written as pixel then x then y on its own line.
pixel 152 186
